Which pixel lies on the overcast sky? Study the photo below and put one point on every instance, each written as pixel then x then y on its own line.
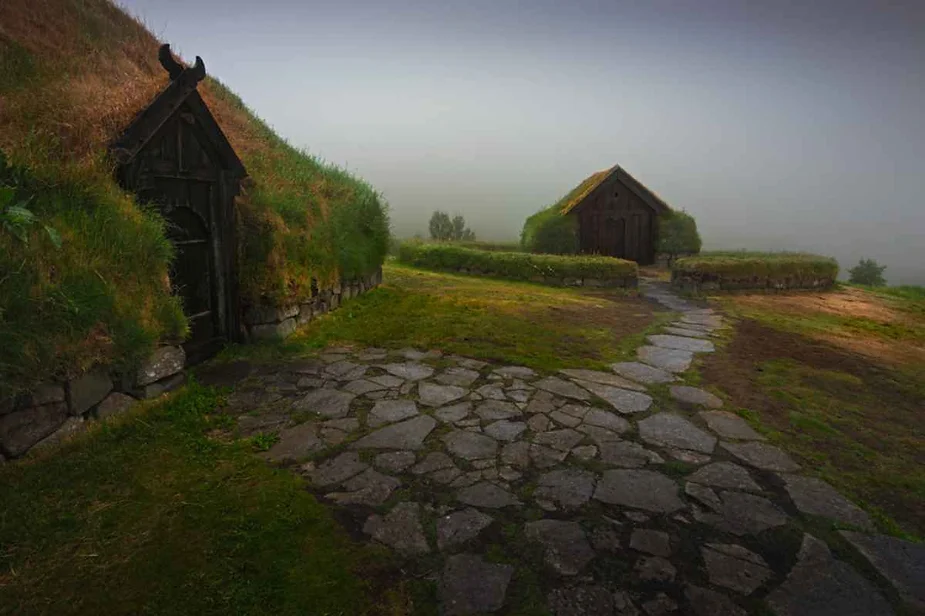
pixel 779 125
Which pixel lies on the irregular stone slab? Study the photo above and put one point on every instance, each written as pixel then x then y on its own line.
pixel 538 423
pixel 504 430
pixel 362 386
pixel 642 373
pixel 609 421
pixel 409 371
pixel 681 343
pixel 471 364
pixel 666 359
pixel 433 461
pixel 623 400
pixel 734 567
pixel 670 430
pixel 585 452
pixel 744 514
pixel 348 424
pixel 387 380
pixel 518 395
pixel 599 435
pixel 653 542
pixel 729 425
pixel 706 602
pixel 472 586
pixel 409 434
pixel 567 547
pixel 114 404
pixel 640 489
pixel 337 469
pixel 703 320
pixel 515 372
pixel 563 440
pixel 467 479
pixel 399 529
pixel 87 390
pixel 627 454
pixel 165 361
pixel 543 457
pixel 555 385
pixel 460 527
pixel 703 494
pixel 328 403
pixel 816 497
pixel 341 368
pixel 823 586
pixel 295 443
pixel 460 377
pixel 655 569
pixel 564 419
pixel 493 410
pixel 516 454
pixel 763 456
pixel 623 604
pixel 661 605
pixel 470 445
pixel 394 461
pixel 492 391
pixel 901 562
pixel 452 414
pixel 372 354
pixel 695 396
pixel 577 411
pixel 369 488
pixel 487 495
pixel 581 601
pixel 432 394
pixel 445 476
pixel 604 378
pixel 605 539
pixel 690 333
pixel 415 355
pixel 390 411
pixel 331 357
pixel 725 475
pixel 570 488
pixel 541 405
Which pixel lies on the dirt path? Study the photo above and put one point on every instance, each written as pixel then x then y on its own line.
pixel 582 492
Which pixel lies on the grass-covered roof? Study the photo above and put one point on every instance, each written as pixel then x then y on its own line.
pixel 73 75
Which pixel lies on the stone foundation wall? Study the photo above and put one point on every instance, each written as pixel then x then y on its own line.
pixel 57 410
pixel 711 282
pixel 268 322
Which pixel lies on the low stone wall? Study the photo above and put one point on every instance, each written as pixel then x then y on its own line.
pixel 688 283
pixel 268 322
pixel 56 410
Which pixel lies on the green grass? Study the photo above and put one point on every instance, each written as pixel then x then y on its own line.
pixel 149 516
pixel 841 426
pixel 743 269
pixel 513 322
pixel 554 269
pixel 491 246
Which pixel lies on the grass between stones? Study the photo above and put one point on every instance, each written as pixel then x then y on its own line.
pixel 845 401
pixel 511 322
pixel 149 515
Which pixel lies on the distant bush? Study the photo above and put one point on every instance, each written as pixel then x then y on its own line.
pixel 677 235
pixel 754 270
pixel 552 269
pixel 549 232
pixel 867 272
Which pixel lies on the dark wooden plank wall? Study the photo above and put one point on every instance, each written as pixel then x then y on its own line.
pixel 614 221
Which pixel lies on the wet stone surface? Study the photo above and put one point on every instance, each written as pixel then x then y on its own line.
pixel 611 489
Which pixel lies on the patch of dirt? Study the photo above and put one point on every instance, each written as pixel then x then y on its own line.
pixel 847 302
pixel 623 315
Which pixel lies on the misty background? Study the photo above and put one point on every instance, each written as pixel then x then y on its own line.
pixel 779 126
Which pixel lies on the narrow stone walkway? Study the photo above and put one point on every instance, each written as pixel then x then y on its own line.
pixel 620 493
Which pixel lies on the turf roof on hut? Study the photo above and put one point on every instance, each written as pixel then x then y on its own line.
pixel 580 192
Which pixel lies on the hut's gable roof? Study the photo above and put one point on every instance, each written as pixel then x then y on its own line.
pixel 581 192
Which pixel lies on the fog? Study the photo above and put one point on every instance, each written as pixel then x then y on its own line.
pixel 779 126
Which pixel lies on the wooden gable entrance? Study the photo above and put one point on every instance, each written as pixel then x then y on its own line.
pixel 175 156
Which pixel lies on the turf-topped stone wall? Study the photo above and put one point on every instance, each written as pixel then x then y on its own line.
pixel 556 270
pixel 268 322
pixel 760 271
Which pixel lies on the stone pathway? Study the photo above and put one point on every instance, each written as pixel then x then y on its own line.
pixel 626 492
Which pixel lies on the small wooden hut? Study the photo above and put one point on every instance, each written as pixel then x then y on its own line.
pixel 617 216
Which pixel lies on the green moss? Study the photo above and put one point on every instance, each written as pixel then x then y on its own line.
pixel 549 231
pixel 515 265
pixel 751 265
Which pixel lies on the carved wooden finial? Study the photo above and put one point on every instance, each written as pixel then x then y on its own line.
pixel 173 68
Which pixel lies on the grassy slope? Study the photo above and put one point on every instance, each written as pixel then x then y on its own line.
pixel 512 322
pixel 745 264
pixel 72 75
pixel 836 379
pixel 151 516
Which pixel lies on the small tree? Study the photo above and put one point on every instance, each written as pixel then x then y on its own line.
pixel 867 272
pixel 677 235
pixel 441 227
